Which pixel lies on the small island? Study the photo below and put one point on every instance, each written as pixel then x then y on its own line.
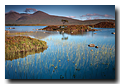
pixel 22 44
pixel 69 28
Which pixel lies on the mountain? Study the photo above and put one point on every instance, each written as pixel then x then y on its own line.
pixel 11 17
pixel 40 17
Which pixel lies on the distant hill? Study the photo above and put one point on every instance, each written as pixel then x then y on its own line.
pixel 105 25
pixel 40 17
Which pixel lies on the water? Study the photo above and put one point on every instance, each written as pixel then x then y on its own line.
pixel 68 59
pixel 23 28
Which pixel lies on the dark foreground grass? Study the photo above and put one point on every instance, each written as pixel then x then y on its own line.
pixel 22 44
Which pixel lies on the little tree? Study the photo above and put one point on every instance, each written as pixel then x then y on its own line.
pixel 64 21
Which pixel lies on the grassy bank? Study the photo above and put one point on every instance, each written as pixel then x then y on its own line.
pixel 23 43
pixel 25 25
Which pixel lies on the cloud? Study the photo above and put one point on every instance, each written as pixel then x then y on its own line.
pixel 83 16
pixel 109 16
pixel 95 14
pixel 89 14
pixel 70 16
pixel 96 17
pixel 30 9
pixel 89 18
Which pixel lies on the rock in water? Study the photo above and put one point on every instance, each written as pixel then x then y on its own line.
pixel 91 50
pixel 96 46
pixel 91 45
pixel 113 33
pixel 13 28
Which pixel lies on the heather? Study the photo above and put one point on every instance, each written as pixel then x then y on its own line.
pixel 23 43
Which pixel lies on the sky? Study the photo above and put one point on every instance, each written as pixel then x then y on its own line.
pixel 80 12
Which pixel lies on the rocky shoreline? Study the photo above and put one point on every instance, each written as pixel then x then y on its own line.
pixel 69 28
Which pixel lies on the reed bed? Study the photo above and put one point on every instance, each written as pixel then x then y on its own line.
pixel 65 60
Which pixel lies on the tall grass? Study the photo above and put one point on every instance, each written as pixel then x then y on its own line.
pixel 65 60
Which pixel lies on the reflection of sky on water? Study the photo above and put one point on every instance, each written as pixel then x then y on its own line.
pixel 104 36
pixel 75 48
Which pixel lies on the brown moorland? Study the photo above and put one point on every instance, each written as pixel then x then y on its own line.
pixel 69 28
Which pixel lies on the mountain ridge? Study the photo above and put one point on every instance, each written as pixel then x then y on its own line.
pixel 40 17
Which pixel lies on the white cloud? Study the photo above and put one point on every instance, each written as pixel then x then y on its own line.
pixel 89 18
pixel 95 14
pixel 70 16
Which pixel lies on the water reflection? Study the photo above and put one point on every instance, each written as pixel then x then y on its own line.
pixel 64 38
pixel 23 28
pixel 16 55
pixel 68 59
pixel 77 33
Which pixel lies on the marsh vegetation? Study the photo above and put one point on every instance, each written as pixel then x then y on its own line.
pixel 22 44
pixel 68 59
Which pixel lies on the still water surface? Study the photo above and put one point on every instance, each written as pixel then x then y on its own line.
pixel 67 59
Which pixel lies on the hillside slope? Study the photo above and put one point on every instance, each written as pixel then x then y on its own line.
pixel 40 17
